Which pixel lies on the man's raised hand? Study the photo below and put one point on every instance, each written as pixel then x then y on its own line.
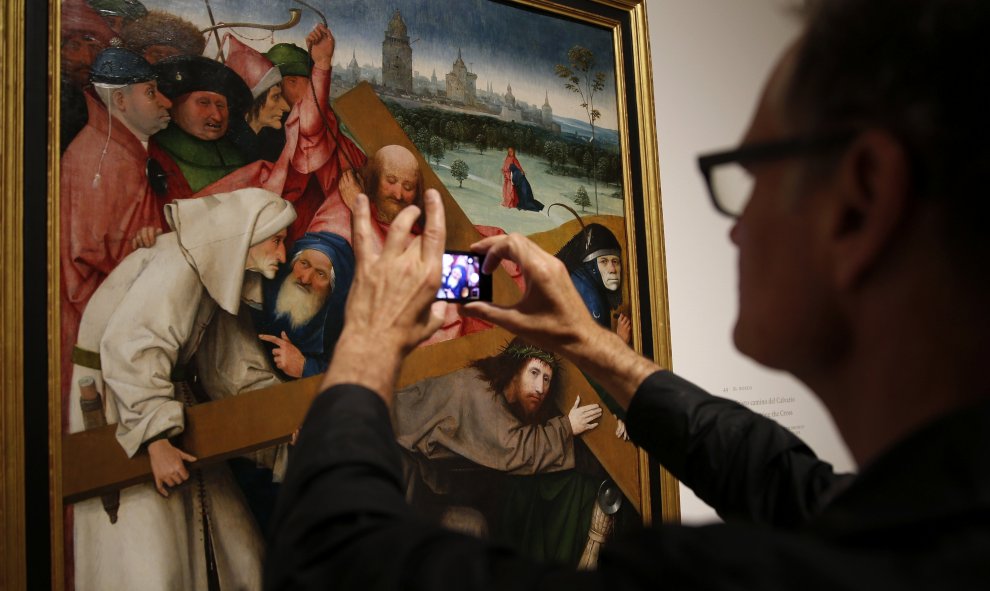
pixel 391 306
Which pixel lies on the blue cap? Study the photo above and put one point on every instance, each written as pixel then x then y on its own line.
pixel 116 65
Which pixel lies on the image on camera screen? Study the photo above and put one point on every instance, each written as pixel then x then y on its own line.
pixel 461 277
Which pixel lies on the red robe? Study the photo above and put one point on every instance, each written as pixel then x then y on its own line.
pixel 98 219
pixel 509 197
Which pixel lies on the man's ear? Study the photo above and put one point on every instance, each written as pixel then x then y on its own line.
pixel 117 99
pixel 873 184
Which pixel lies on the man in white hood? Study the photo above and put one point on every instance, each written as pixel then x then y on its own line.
pixel 137 334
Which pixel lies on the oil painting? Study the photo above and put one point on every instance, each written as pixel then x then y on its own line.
pixel 209 155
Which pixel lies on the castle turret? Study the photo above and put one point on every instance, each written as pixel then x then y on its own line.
pixel 397 56
pixel 547 116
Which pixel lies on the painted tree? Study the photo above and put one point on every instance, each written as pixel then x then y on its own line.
pixel 585 82
pixel 422 140
pixel 480 143
pixel 436 149
pixel 459 170
pixel 582 198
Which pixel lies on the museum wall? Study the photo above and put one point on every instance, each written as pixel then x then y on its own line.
pixel 710 58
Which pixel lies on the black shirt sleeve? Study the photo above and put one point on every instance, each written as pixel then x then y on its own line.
pixel 744 465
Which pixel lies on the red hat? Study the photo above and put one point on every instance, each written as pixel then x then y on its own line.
pixel 78 16
pixel 257 71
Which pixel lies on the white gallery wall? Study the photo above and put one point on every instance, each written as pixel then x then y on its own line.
pixel 710 59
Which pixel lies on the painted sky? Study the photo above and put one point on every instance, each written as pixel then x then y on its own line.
pixel 502 44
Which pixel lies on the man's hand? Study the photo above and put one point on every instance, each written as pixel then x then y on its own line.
pixel 287 357
pixel 391 306
pixel 145 237
pixel 583 418
pixel 620 430
pixel 551 313
pixel 321 44
pixel 623 328
pixel 167 465
pixel 349 187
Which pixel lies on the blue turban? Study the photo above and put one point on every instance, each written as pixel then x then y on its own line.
pixel 316 339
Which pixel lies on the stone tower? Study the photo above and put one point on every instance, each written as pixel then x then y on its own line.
pixel 354 70
pixel 461 84
pixel 510 99
pixel 547 110
pixel 397 56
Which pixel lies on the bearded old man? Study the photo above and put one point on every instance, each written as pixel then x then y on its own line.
pixel 302 310
pixel 137 335
pixel 297 315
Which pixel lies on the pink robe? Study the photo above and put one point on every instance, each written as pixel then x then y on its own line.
pixel 98 222
pixel 509 196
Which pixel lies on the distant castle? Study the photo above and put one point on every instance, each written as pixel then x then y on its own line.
pixel 397 56
pixel 461 83
pixel 458 87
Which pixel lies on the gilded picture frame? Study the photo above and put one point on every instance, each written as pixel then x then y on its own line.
pixel 623 20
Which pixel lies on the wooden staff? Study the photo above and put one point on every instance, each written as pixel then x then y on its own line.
pixel 92 411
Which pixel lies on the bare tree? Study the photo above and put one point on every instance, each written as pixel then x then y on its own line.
pixel 585 82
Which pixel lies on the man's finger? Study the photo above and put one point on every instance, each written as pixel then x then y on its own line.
pixel 272 339
pixel 161 487
pixel 438 311
pixel 185 456
pixel 577 401
pixel 486 247
pixel 361 232
pixel 508 318
pixel 435 232
pixel 398 232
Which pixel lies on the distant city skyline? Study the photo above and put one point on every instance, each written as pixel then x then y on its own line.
pixel 481 29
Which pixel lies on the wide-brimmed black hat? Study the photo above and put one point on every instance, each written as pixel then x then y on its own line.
pixel 182 74
pixel 593 241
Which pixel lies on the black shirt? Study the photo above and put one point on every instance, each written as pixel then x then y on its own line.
pixel 918 518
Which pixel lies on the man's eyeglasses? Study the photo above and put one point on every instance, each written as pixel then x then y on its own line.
pixel 730 183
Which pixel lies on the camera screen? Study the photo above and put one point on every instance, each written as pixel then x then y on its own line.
pixel 461 277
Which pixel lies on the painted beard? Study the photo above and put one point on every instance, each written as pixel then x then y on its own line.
pixel 298 302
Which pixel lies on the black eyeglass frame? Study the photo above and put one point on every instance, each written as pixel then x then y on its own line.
pixel 766 151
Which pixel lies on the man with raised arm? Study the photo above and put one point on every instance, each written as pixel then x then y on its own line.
pixel 862 263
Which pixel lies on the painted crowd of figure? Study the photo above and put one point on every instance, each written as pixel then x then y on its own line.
pixel 205 231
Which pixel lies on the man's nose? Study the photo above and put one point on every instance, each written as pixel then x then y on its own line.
pixel 163 101
pixel 280 252
pixel 306 277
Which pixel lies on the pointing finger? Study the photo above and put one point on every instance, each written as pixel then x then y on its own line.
pixel 435 232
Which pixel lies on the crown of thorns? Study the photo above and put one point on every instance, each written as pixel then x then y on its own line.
pixel 520 351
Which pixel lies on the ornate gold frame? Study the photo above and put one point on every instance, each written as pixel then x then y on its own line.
pixel 13 560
